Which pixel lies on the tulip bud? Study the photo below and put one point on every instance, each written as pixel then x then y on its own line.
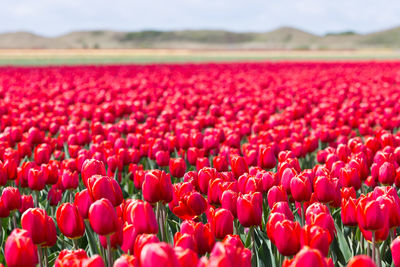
pixel 26 203
pixel 162 158
pixel 316 237
pixel 222 223
pixel 266 157
pixel 105 187
pixel 19 249
pixel 142 240
pixel 11 198
pixel 99 210
pixel 287 230
pixel 238 166
pixel 37 178
pixel 92 167
pixel 300 187
pixel 249 209
pixel 395 249
pixel 220 163
pixel 69 221
pixel 371 215
pixel 177 167
pixel 141 215
pixel 82 202
pixel 69 179
pixel 35 218
pixel 157 186
pixel 361 260
pixel 161 253
pixel 387 173
pixel 126 261
pixel 42 154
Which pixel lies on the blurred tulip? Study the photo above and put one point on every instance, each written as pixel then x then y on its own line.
pixel 19 249
pixel 100 209
pixel 157 186
pixel 69 221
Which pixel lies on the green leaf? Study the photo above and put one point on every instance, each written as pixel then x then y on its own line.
pixel 344 247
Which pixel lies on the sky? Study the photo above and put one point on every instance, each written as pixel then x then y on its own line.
pixel 57 17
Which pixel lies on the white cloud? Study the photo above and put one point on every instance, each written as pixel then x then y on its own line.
pixel 54 17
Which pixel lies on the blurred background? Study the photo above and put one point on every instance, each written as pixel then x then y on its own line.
pixel 129 31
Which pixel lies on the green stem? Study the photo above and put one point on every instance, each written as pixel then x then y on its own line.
pixel 161 220
pixel 36 198
pixel 71 196
pixel 46 258
pixel 302 215
pixel 253 245
pixel 40 256
pixel 109 255
pixel 378 255
pixel 373 246
pixel 76 245
pixel 14 218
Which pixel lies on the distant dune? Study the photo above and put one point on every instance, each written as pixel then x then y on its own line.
pixel 281 38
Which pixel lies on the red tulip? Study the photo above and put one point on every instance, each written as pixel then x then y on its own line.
pixel 82 202
pixel 129 235
pixel 26 203
pixel 185 241
pixel 371 215
pixel 162 158
pixel 100 209
pixel 266 157
pixel 308 257
pixel 69 221
pixel 157 186
pixel 54 196
pixel 316 237
pixel 276 194
pixel 395 249
pixel 249 209
pixel 37 178
pixel 350 177
pixel 348 212
pixel 42 154
pixel 177 167
pixel 301 188
pixel 203 236
pixel 69 179
pixel 126 261
pixel 387 173
pixel 4 211
pixel 238 165
pixel 161 254
pixel 142 240
pixel 361 261
pixel 229 254
pixel 220 163
pixel 141 215
pixel 34 219
pixel 92 167
pixel 206 175
pixel 19 249
pixel 11 198
pixel 229 200
pixel 104 187
pixel 287 230
pixel 186 257
pixel 222 223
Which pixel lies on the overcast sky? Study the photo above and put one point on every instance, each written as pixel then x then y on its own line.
pixel 55 17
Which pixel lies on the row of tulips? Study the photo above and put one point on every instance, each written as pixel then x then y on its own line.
pixel 261 164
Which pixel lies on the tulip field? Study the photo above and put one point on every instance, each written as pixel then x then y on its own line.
pixel 211 164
